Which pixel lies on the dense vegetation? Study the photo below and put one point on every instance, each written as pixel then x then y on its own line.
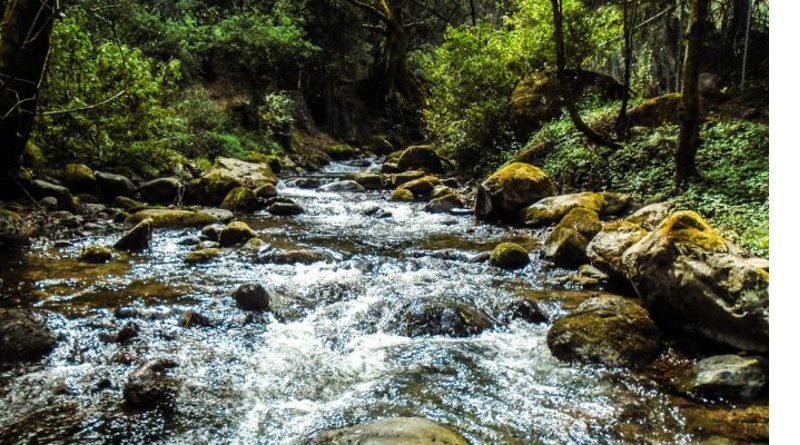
pixel 160 87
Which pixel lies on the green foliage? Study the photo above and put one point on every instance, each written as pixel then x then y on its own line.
pixel 734 162
pixel 474 71
pixel 119 97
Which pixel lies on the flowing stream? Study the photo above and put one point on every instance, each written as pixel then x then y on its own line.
pixel 332 351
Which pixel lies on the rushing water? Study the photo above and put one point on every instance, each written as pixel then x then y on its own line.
pixel 330 353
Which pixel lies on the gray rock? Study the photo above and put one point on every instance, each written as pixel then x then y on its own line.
pixel 149 385
pixel 137 238
pixel 42 189
pixel 24 336
pixel 161 190
pixel 112 185
pixel 394 431
pixel 347 185
pixel 729 376
pixel 284 209
pixel 49 203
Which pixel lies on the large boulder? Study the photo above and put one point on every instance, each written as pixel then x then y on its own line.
pixel 650 216
pixel 420 157
pixel 24 336
pixel 393 431
pixel 112 185
pixel 693 280
pixel 79 178
pixel 370 181
pixel 42 189
pixel 565 247
pixel 730 376
pixel 552 209
pixel 510 189
pixel 162 217
pixel 421 188
pixel 340 152
pixel 161 190
pixel 606 248
pixel 138 238
pixel 240 199
pixel 224 176
pixel 607 329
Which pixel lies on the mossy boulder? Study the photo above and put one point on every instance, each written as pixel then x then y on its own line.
pixel 225 175
pixel 202 255
pixel 741 425
pixel 24 336
pixel 607 329
pixel 112 185
pixel 420 157
pixel 236 233
pixel 42 189
pixel 694 281
pixel 125 203
pixel 607 247
pixel 163 217
pixel 97 254
pixel 399 179
pixel 266 191
pixel 582 220
pixel 444 203
pixel 422 188
pixel 393 431
pixel 650 216
pixel 161 190
pixel 370 181
pixel 565 247
pixel 340 152
pixel 380 144
pixel 240 200
pixel 509 256
pixel 137 238
pixel 510 189
pixel 655 112
pixel 402 195
pixel 552 209
pixel 79 178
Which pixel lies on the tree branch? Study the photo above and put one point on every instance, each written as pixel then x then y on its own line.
pixel 87 107
pixel 369 8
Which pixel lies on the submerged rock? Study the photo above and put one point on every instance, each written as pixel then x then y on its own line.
pixel 252 297
pixel 284 208
pixel 137 238
pixel 94 253
pixel 236 233
pixel 393 431
pixel 149 385
pixel 24 336
pixel 346 185
pixel 296 256
pixel 510 189
pixel 607 329
pixel 509 256
pixel 163 217
pixel 203 255
pixel 729 376
pixel 693 280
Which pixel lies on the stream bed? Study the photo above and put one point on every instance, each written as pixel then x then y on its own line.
pixel 332 351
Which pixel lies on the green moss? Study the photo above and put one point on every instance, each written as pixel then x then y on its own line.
pixel 95 254
pixel 236 233
pixel 341 151
pixel 202 255
pixel 509 256
pixel 240 199
pixel 402 195
pixel 173 217
pixel 582 220
pixel 689 228
pixel 421 188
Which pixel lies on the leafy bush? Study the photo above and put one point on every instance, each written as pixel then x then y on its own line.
pixel 733 160
pixel 105 103
pixel 474 71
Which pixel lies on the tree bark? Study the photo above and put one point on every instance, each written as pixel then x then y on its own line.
pixel 689 109
pixel 24 49
pixel 628 24
pixel 566 91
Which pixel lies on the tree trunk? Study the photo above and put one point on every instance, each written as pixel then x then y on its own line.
pixel 397 40
pixel 689 109
pixel 628 24
pixel 566 90
pixel 24 48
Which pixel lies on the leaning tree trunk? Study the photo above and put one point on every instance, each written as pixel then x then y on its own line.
pixel 689 109
pixel 24 48
pixel 397 41
pixel 566 88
